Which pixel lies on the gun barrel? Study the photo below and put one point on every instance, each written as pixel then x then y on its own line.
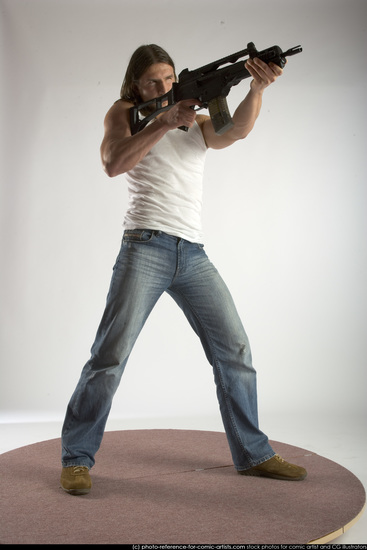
pixel 292 51
pixel 209 84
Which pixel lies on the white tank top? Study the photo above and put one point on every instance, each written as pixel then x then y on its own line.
pixel 166 186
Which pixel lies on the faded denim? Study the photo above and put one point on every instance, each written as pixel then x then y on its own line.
pixel 150 263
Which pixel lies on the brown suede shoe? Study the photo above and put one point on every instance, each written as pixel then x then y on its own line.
pixel 76 480
pixel 276 468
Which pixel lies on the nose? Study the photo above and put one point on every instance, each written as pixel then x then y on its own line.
pixel 161 89
pixel 164 87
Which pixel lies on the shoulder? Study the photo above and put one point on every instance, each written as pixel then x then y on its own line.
pixel 212 140
pixel 201 119
pixel 117 122
pixel 120 109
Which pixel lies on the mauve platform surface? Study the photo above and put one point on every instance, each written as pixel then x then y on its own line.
pixel 171 487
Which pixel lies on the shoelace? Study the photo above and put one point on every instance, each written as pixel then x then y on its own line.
pixel 79 469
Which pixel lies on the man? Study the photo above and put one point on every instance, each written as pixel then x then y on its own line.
pixel 161 251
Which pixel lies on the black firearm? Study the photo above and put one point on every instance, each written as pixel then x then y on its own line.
pixel 210 85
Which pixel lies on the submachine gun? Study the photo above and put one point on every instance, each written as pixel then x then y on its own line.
pixel 210 85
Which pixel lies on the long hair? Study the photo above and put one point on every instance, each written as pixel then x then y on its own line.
pixel 140 61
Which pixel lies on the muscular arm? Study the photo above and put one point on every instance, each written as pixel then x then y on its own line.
pixel 120 151
pixel 245 115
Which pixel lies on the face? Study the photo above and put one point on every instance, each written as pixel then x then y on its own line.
pixel 156 81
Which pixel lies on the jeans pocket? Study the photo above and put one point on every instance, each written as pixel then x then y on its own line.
pixel 138 235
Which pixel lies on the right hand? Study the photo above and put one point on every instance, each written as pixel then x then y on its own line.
pixel 180 114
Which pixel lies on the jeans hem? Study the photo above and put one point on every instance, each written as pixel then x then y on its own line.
pixel 255 463
pixel 75 463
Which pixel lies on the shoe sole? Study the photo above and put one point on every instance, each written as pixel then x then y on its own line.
pixel 75 492
pixel 255 473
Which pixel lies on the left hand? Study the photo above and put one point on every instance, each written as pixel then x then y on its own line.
pixel 263 74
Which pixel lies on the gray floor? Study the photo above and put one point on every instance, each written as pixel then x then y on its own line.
pixel 339 438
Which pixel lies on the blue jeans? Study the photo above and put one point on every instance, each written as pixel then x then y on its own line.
pixel 150 263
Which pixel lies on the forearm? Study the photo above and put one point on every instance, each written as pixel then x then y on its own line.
pixel 247 112
pixel 245 115
pixel 121 154
pixel 120 151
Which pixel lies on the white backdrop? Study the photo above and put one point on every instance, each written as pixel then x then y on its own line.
pixel 284 212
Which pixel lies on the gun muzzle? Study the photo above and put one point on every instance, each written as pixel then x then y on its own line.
pixel 292 51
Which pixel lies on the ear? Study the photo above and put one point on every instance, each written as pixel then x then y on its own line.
pixel 135 90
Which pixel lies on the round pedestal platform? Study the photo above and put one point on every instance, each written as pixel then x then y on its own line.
pixel 173 487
